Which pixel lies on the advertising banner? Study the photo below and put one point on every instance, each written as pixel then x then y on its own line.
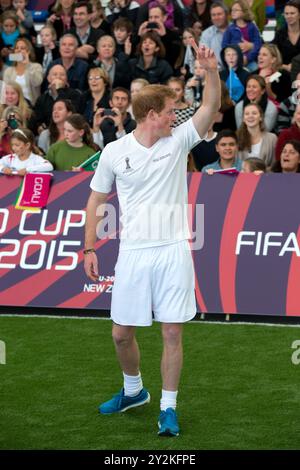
pixel 245 245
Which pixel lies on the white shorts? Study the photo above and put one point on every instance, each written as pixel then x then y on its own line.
pixel 157 279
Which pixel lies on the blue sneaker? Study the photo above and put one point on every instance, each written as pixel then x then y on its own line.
pixel 121 402
pixel 167 423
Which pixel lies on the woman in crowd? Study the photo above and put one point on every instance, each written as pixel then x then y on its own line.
pixel 25 156
pixel 122 8
pixel 11 119
pixel 27 73
pixel 200 11
pixel 149 63
pixel 289 158
pixel 61 17
pixel 184 65
pixel 287 39
pixel 13 96
pixel 77 146
pixel 117 70
pixel 291 133
pixel 253 140
pixel 256 93
pixel 224 118
pixel 244 32
pixel 183 110
pixel 61 110
pixel 48 50
pixel 98 94
pixel 278 80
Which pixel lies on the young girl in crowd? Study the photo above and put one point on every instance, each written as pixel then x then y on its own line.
pixel 136 86
pixel 25 17
pixel 11 118
pixel 10 31
pixel 98 20
pixel 195 85
pixel 23 159
pixel 244 32
pixel 254 165
pixel 77 146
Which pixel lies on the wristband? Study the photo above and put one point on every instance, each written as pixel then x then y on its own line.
pixel 88 251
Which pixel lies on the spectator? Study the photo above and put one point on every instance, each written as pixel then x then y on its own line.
pixel 292 133
pixel 5 5
pixel 232 60
pixel 10 31
pixel 174 19
pixel 25 157
pixel 256 93
pixel 254 165
pixel 278 80
pixel 200 12
pixel 287 107
pixel 169 37
pixel 135 87
pixel 117 70
pixel 77 146
pixel 85 34
pixel 226 147
pixel 197 30
pixel 28 73
pixel 13 96
pixel 11 119
pixel 244 32
pixel 61 17
pixel 55 132
pixel 98 18
pixel 149 63
pixel 25 17
pixel 195 85
pixel 98 95
pixel 183 110
pixel 58 88
pixel 76 68
pixel 287 39
pixel 258 8
pixel 289 158
pixel 213 35
pixel 122 31
pixel 48 50
pixel 253 140
pixel 117 122
pixel 122 9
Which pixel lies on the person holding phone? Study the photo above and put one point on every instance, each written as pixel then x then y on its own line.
pixel 25 71
pixel 112 123
pixel 10 118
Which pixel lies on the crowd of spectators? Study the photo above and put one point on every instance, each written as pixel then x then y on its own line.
pixel 67 89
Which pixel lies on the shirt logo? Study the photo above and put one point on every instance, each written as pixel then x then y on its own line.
pixel 158 159
pixel 128 168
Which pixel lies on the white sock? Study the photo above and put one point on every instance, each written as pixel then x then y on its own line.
pixel 133 384
pixel 168 400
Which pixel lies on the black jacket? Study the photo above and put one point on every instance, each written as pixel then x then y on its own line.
pixel 109 129
pixel 159 72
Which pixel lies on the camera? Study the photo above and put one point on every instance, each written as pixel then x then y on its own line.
pixel 108 112
pixel 16 57
pixel 12 122
pixel 152 25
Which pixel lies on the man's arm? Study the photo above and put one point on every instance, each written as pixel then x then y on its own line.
pixel 96 200
pixel 211 102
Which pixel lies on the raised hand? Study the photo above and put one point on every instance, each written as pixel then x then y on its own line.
pixel 204 55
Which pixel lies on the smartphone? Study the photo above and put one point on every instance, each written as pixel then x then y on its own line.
pixel 108 112
pixel 16 57
pixel 152 25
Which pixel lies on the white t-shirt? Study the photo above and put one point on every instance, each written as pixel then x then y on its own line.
pixel 151 186
pixel 20 79
pixel 34 163
pixel 255 150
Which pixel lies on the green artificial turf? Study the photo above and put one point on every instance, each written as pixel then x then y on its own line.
pixel 239 388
